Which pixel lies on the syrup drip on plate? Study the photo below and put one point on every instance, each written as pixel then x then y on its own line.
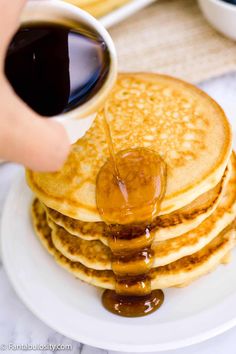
pixel 130 188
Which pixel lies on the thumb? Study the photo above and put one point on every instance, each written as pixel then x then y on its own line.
pixel 26 138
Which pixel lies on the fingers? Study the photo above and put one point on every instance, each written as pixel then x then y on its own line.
pixel 26 138
pixel 10 11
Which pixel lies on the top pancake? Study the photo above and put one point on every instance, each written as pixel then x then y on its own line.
pixel 183 124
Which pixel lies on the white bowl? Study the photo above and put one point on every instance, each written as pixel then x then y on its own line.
pixel 221 15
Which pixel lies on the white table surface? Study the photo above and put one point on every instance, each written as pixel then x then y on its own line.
pixel 19 326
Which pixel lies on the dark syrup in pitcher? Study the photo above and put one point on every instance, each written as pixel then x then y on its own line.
pixel 55 67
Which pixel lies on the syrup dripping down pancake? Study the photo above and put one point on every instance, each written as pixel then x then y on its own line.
pixel 183 271
pixel 164 227
pixel 95 254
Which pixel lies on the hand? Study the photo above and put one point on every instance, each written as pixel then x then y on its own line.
pixel 25 137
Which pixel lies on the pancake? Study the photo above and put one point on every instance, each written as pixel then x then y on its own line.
pixel 177 273
pixel 194 240
pixel 183 124
pixel 98 8
pixel 165 226
pixel 190 268
pixel 94 254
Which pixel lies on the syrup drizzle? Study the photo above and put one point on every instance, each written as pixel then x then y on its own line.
pixel 130 188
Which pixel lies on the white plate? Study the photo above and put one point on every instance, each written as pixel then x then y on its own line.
pixel 189 315
pixel 123 12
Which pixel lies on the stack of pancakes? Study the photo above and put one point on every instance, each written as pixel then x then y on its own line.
pixel 194 231
pixel 98 8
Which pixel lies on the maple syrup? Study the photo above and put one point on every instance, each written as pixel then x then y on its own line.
pixel 129 189
pixel 56 67
pixel 132 306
